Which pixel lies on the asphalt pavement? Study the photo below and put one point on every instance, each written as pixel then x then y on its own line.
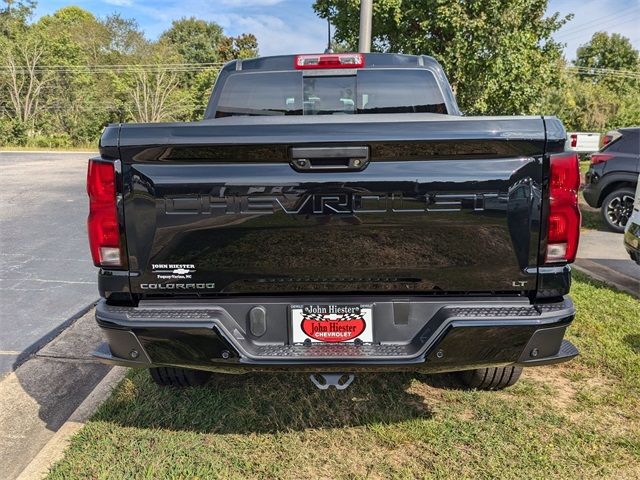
pixel 46 273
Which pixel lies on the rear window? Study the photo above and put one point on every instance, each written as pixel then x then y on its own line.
pixel 369 91
pixel 260 94
pixel 628 142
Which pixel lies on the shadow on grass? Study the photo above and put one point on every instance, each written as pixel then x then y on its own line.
pixel 269 403
pixel 591 219
pixel 633 340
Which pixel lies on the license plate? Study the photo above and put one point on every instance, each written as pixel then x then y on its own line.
pixel 332 323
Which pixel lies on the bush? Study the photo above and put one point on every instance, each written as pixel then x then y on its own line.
pixel 57 140
pixel 12 132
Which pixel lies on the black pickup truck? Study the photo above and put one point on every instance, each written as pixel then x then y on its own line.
pixel 332 214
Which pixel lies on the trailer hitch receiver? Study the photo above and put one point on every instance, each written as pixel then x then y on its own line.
pixel 338 380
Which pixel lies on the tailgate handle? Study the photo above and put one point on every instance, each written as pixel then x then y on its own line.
pixel 309 159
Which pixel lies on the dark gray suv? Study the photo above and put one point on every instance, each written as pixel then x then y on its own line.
pixel 611 180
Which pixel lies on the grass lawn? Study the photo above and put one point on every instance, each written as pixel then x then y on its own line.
pixel 576 420
pixel 584 166
pixel 591 218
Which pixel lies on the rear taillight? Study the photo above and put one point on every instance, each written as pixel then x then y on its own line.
pixel 574 140
pixel 104 231
pixel 563 230
pixel 329 60
pixel 600 157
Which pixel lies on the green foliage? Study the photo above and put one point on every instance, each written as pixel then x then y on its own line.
pixel 501 59
pixel 14 16
pixel 582 105
pixel 243 46
pixel 66 76
pixel 201 89
pixel 499 56
pixel 604 51
pixel 12 132
pixel 602 93
pixel 198 41
pixel 613 52
pixel 125 38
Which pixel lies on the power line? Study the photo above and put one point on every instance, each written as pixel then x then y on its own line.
pixel 198 67
pixel 603 72
pixel 575 35
pixel 598 21
pixel 115 68
pixel 180 64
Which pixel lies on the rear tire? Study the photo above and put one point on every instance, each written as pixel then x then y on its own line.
pixel 617 208
pixel 179 377
pixel 495 378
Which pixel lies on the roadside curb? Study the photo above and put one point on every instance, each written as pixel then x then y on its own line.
pixel 55 447
pixel 609 276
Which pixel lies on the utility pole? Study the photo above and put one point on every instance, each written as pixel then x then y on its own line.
pixel 328 49
pixel 366 13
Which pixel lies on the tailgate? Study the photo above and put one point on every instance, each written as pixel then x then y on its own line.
pixel 403 203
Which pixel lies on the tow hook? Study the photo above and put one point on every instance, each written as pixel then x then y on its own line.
pixel 338 380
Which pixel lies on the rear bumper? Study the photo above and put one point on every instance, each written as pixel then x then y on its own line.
pixel 409 334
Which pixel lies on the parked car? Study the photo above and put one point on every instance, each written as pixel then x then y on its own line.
pixel 611 180
pixel 332 214
pixel 632 230
pixel 583 142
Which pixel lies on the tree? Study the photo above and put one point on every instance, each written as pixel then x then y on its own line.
pixel 79 30
pixel 607 51
pixel 76 97
pixel 499 56
pixel 602 93
pixel 125 37
pixel 66 75
pixel 22 79
pixel 154 93
pixel 197 41
pixel 200 42
pixel 610 52
pixel 582 105
pixel 201 90
pixel 14 16
pixel 242 46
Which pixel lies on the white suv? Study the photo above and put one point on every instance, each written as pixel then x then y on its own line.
pixel 632 230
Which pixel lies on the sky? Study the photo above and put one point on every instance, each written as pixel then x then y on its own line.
pixel 291 26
